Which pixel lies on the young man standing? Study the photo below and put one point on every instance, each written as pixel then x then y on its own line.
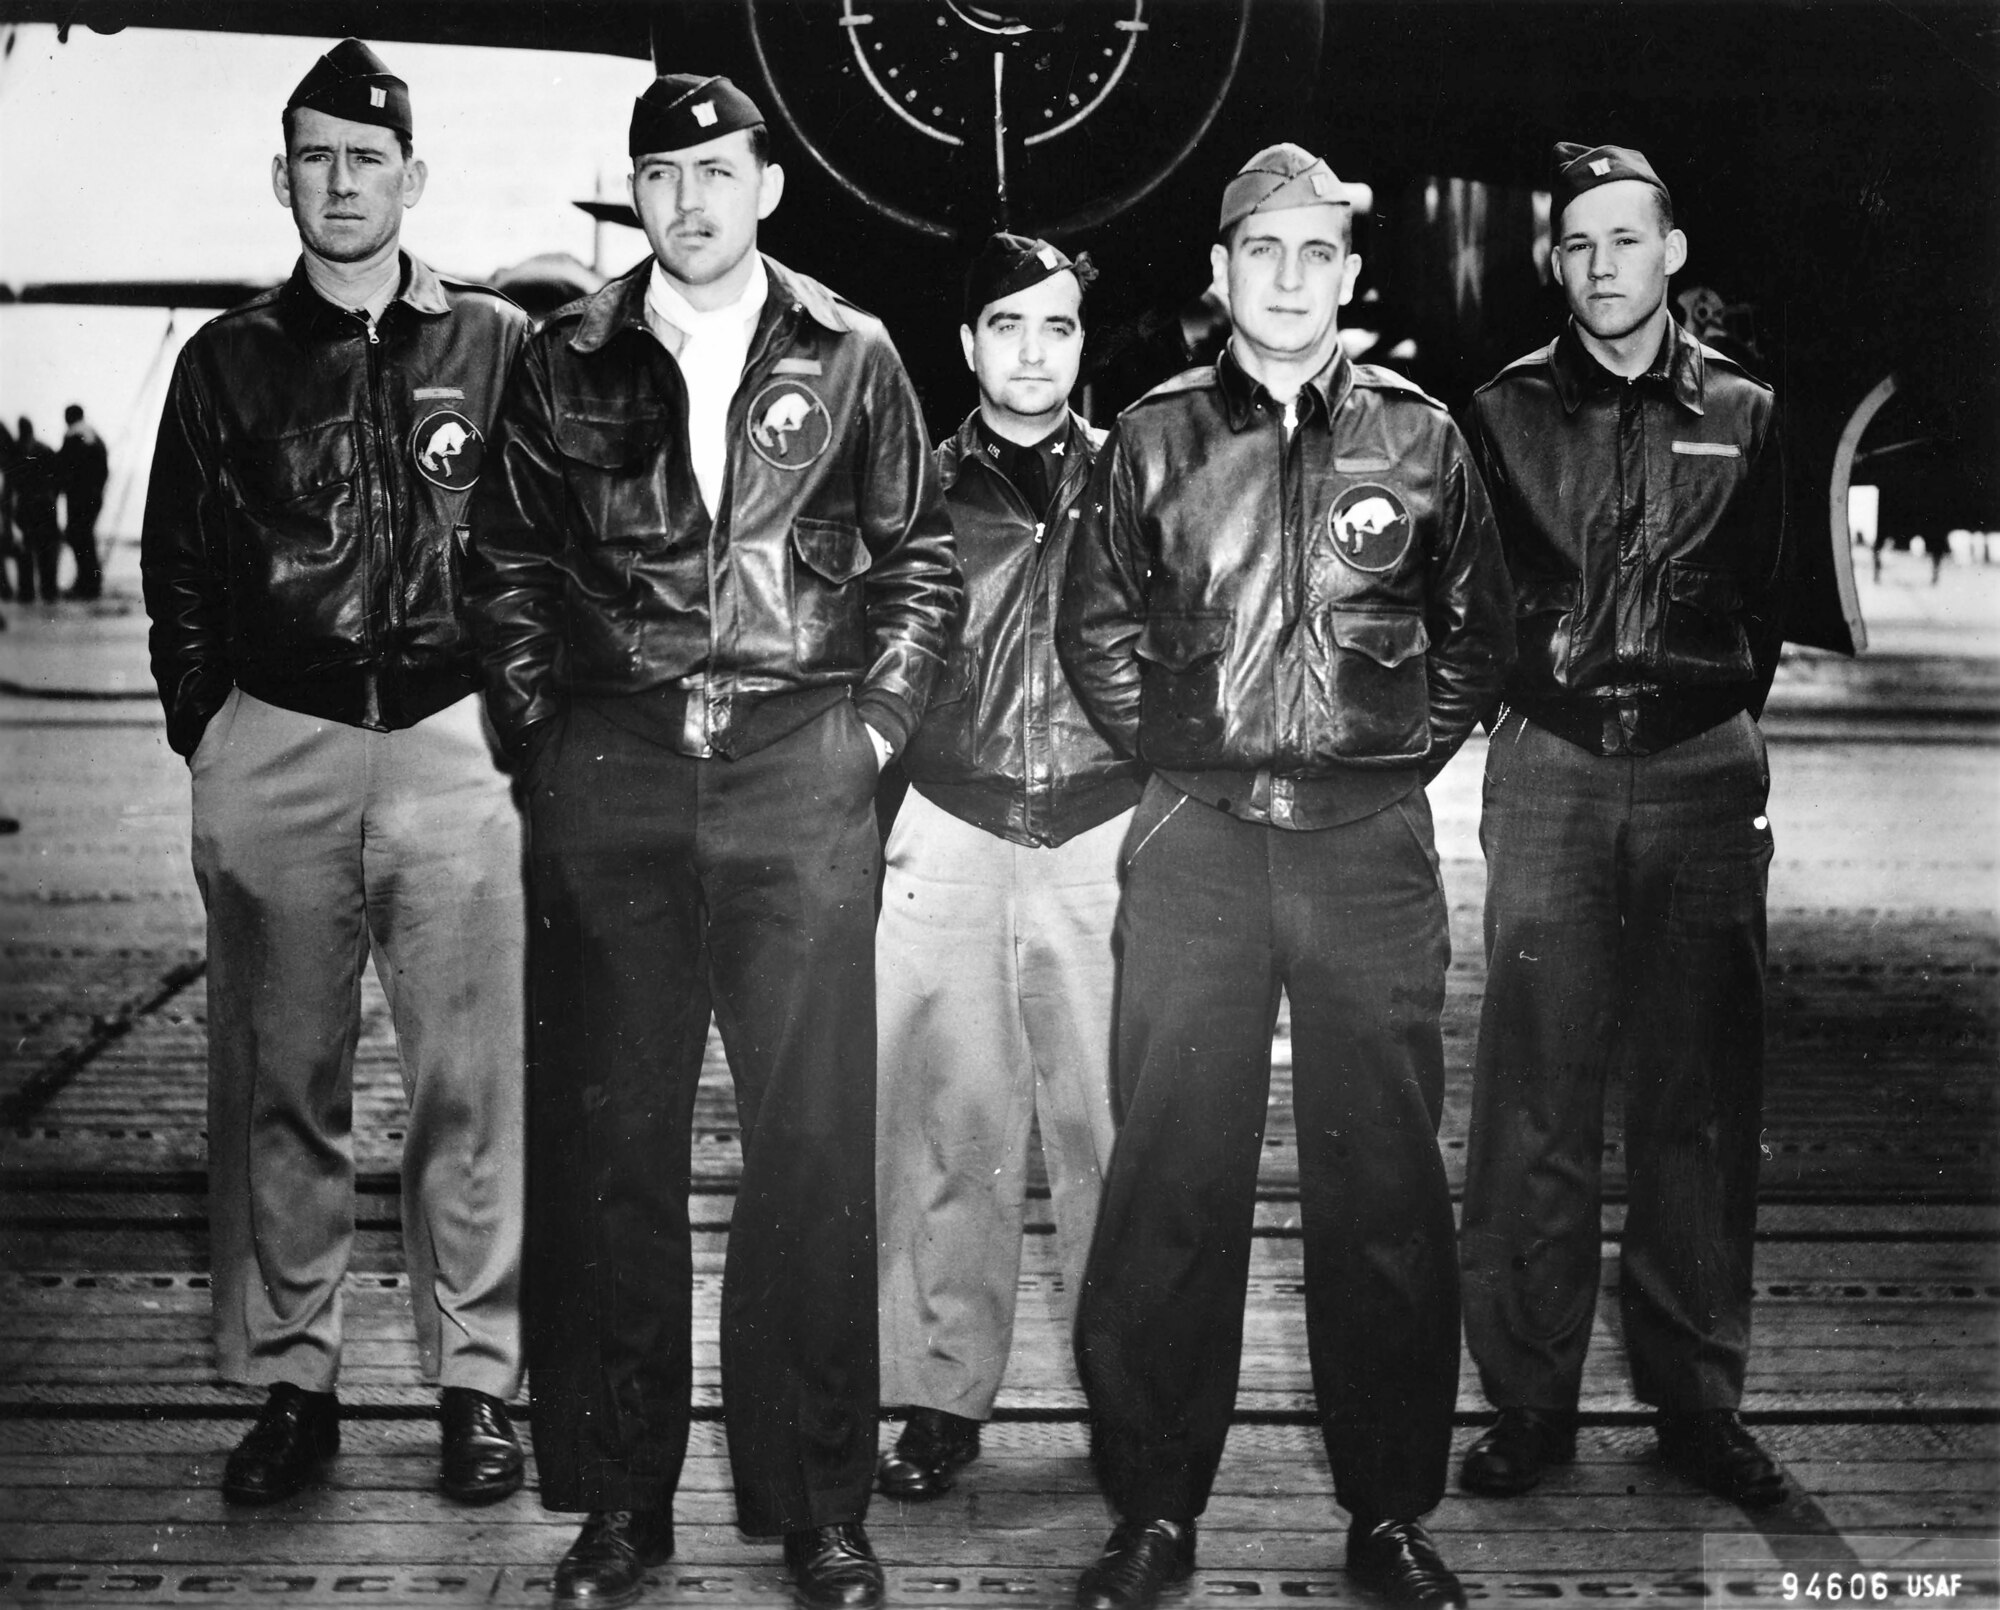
pixel 711 576
pixel 993 959
pixel 1636 477
pixel 1288 600
pixel 299 551
pixel 82 468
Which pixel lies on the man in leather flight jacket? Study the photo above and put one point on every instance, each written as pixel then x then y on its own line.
pixel 711 575
pixel 1289 601
pixel 1636 478
pixel 993 962
pixel 300 555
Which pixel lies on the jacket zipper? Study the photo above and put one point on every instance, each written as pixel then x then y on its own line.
pixel 391 558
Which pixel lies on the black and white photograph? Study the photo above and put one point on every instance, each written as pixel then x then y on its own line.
pixel 972 803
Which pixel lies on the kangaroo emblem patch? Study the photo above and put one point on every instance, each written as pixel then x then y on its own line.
pixel 447 449
pixel 788 425
pixel 1370 527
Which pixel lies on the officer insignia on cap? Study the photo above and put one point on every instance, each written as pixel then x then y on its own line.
pixel 704 113
pixel 447 449
pixel 789 426
pixel 1322 183
pixel 1049 258
pixel 378 97
pixel 1370 527
pixel 1601 166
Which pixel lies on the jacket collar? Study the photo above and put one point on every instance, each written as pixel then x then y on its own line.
pixel 621 305
pixel 1678 366
pixel 963 446
pixel 421 291
pixel 1323 394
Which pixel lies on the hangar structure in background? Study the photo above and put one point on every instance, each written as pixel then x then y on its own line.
pixel 1835 165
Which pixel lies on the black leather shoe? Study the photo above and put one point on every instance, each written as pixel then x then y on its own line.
pixel 833 1568
pixel 1516 1450
pixel 1398 1562
pixel 606 1565
pixel 296 1433
pixel 1713 1450
pixel 1141 1561
pixel 482 1456
pixel 934 1446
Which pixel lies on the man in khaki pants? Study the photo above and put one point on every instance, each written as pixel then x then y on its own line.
pixel 300 554
pixel 994 969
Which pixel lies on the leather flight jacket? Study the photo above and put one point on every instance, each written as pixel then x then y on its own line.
pixel 305 519
pixel 1310 610
pixel 1643 522
pixel 1005 744
pixel 597 573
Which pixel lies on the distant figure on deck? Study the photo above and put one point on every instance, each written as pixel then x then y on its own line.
pixel 82 468
pixel 1636 478
pixel 32 487
pixel 300 558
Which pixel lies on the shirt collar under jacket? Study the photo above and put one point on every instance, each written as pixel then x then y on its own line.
pixel 676 320
pixel 420 289
pixel 1678 366
pixel 621 304
pixel 1320 397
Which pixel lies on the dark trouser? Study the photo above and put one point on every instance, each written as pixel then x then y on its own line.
pixel 1350 922
pixel 1624 925
pixel 80 533
pixel 40 550
pixel 659 886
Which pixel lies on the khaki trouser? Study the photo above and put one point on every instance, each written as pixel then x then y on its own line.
pixel 317 844
pixel 994 983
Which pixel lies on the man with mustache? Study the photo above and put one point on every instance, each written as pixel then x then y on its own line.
pixel 711 576
pixel 300 554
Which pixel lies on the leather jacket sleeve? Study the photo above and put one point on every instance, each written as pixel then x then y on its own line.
pixel 184 569
pixel 1470 610
pixel 913 587
pixel 1104 602
pixel 1765 598
pixel 514 576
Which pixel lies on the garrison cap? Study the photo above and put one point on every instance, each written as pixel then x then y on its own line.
pixel 683 109
pixel 1278 177
pixel 352 82
pixel 1009 263
pixel 1585 167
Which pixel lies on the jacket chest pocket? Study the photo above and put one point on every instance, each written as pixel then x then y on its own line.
pixel 1365 672
pixel 829 622
pixel 1182 711
pixel 295 526
pixel 612 468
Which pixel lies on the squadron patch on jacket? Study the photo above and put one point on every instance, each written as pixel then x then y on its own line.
pixel 1370 527
pixel 789 426
pixel 447 449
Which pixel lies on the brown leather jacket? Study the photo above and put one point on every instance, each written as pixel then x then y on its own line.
pixel 1307 608
pixel 306 514
pixel 595 571
pixel 1005 745
pixel 1643 523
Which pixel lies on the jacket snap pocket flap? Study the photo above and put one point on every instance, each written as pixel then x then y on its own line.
pixel 1181 642
pixel 1388 640
pixel 1713 591
pixel 831 548
pixel 279 469
pixel 609 444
